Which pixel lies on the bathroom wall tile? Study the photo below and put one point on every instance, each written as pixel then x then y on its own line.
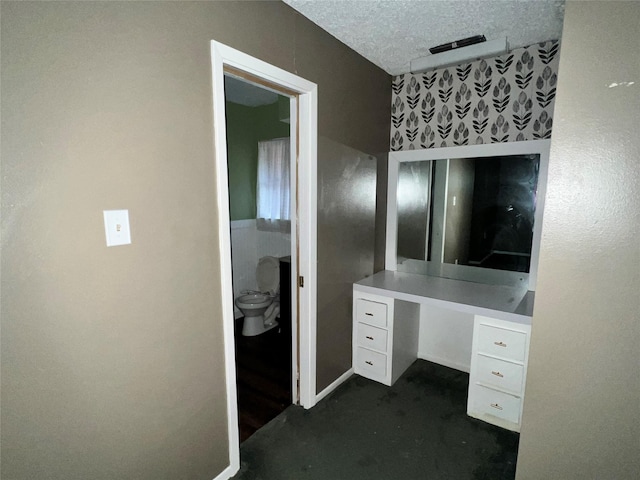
pixel 274 244
pixel 248 245
pixel 244 255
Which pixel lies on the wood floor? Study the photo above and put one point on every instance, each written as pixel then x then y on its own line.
pixel 263 373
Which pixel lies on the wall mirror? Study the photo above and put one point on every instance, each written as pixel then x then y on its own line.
pixel 469 213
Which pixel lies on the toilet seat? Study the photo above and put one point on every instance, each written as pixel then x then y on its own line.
pixel 268 275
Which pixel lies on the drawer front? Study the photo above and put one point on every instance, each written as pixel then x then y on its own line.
pixel 497 404
pixel 373 313
pixel 372 337
pixel 500 374
pixel 370 363
pixel 501 342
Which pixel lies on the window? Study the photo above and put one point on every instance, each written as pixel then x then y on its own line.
pixel 273 185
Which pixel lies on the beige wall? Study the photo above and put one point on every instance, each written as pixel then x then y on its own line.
pixel 582 408
pixel 112 358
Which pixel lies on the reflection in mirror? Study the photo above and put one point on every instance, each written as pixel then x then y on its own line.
pixel 414 180
pixel 476 212
pixel 490 211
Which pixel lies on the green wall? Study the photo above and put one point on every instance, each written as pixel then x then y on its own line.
pixel 246 126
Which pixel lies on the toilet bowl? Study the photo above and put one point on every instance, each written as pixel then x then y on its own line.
pixel 260 309
pixel 253 304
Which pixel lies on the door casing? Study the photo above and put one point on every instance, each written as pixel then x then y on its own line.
pixel 304 112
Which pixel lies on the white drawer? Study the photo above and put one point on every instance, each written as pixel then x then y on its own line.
pixel 500 374
pixel 371 363
pixel 373 313
pixel 372 337
pixel 490 402
pixel 501 342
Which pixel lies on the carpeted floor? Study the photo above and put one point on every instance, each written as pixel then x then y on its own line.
pixel 417 429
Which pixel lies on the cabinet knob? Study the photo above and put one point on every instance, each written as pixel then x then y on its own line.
pixel 368 314
pixel 369 338
pixel 368 362
pixel 497 374
pixel 496 406
pixel 500 344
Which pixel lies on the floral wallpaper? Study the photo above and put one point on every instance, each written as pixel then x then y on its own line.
pixel 508 98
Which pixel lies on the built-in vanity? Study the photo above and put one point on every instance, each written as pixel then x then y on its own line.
pixel 463 236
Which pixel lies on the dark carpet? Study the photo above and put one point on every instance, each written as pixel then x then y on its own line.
pixel 417 429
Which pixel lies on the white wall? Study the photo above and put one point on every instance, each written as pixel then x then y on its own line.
pixel 445 337
pixel 244 255
pixel 274 244
pixel 248 245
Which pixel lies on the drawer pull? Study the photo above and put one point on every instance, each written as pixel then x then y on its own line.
pixel 368 314
pixel 496 406
pixel 500 344
pixel 368 337
pixel 368 362
pixel 497 374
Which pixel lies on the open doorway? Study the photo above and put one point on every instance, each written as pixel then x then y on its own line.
pixel 302 97
pixel 259 165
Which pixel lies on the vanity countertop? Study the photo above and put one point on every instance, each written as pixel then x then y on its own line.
pixel 498 301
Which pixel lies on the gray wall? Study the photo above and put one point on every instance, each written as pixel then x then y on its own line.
pixel 581 412
pixel 112 358
pixel 462 174
pixel 381 210
pixel 346 243
pixel 414 192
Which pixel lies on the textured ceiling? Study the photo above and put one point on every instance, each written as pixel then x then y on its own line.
pixel 392 33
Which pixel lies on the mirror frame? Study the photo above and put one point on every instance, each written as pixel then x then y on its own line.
pixel 535 147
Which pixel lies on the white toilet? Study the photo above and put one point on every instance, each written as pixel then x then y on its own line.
pixel 260 309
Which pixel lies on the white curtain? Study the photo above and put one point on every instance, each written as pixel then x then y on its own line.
pixel 273 186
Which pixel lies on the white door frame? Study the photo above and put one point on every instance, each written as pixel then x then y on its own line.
pixel 304 112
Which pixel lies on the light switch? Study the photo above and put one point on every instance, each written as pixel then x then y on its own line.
pixel 116 226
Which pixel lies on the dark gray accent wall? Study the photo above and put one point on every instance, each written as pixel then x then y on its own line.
pixel 346 245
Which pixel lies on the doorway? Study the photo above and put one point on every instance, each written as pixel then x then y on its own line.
pixel 259 165
pixel 303 120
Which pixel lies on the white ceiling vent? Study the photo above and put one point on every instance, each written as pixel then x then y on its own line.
pixel 456 56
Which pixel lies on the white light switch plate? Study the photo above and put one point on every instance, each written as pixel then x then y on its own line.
pixel 116 226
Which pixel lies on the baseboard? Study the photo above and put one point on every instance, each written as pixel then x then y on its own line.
pixel 227 473
pixel 446 362
pixel 335 384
